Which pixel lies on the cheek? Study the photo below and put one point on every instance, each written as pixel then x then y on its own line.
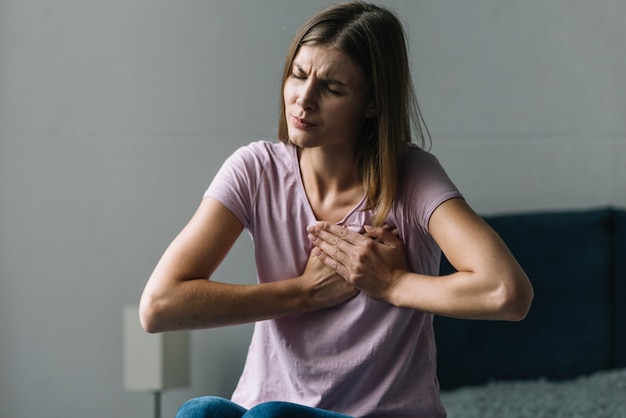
pixel 349 118
pixel 288 94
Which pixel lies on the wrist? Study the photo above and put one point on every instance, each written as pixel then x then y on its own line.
pixel 399 291
pixel 298 295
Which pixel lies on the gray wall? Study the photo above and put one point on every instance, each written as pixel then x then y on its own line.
pixel 115 115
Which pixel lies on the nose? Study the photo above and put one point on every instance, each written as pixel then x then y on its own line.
pixel 306 96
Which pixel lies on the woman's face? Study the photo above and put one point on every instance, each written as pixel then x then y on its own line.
pixel 326 100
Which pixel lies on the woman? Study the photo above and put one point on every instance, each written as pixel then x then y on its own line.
pixel 349 220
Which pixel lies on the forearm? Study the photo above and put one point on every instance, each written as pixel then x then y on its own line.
pixel 202 303
pixel 466 295
pixel 179 294
pixel 489 282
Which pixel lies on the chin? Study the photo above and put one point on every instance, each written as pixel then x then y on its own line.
pixel 298 140
pixel 299 144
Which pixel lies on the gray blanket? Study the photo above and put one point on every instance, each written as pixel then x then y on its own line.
pixel 601 395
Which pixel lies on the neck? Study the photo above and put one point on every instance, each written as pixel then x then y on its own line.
pixel 328 172
pixel 330 183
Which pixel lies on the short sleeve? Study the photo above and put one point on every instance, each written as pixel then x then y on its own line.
pixel 423 186
pixel 236 182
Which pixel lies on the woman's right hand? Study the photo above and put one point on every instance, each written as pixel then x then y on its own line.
pixel 325 288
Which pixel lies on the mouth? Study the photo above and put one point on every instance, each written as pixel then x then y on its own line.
pixel 301 123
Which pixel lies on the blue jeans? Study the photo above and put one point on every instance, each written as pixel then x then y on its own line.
pixel 214 407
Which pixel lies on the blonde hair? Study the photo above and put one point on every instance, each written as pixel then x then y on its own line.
pixel 374 38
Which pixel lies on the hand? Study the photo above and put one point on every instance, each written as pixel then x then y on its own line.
pixel 324 286
pixel 372 262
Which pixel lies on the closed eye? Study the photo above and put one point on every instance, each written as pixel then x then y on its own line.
pixel 333 91
pixel 298 72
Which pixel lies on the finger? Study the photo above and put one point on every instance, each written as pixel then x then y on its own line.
pixel 331 262
pixel 386 227
pixel 327 229
pixel 334 253
pixel 333 248
pixel 385 235
pixel 392 229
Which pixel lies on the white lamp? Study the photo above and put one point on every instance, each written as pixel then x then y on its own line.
pixel 153 362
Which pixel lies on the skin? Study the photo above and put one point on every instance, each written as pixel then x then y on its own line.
pixel 489 283
pixel 326 107
pixel 326 89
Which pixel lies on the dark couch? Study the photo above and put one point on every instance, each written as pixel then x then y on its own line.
pixel 576 261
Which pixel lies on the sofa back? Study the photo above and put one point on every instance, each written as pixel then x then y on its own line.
pixel 576 261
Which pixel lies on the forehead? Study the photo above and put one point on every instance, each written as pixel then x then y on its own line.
pixel 327 61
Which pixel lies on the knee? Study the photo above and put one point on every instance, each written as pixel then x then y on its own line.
pixel 279 409
pixel 210 407
pixel 274 409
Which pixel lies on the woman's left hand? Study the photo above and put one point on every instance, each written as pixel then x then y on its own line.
pixel 372 262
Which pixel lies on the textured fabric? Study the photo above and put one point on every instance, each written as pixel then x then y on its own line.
pixel 214 407
pixel 599 395
pixel 364 357
pixel 210 407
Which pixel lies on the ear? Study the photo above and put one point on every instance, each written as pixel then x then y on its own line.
pixel 370 111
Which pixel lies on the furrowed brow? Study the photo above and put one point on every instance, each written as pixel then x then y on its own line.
pixel 333 81
pixel 325 80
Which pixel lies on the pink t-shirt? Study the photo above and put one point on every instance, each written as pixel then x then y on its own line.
pixel 363 358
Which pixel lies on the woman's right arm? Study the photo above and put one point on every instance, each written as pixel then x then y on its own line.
pixel 179 294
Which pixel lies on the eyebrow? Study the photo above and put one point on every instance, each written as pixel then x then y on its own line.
pixel 325 79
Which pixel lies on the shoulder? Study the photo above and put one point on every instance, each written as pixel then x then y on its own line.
pixel 416 160
pixel 248 169
pixel 268 147
pixel 423 185
pixel 259 163
pixel 263 149
pixel 421 170
pixel 262 153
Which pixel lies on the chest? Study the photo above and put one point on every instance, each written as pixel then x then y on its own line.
pixel 335 208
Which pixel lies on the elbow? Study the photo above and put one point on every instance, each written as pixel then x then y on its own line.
pixel 513 301
pixel 518 308
pixel 149 314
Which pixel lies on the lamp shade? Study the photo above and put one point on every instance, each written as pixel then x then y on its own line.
pixel 153 362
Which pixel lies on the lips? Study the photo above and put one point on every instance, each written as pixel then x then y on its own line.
pixel 301 123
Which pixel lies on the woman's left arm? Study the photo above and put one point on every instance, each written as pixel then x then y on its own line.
pixel 488 284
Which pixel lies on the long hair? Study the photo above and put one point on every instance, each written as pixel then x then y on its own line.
pixel 374 38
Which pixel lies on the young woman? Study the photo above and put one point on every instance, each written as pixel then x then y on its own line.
pixel 349 219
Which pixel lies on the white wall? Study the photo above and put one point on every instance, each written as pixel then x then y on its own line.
pixel 526 100
pixel 115 115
